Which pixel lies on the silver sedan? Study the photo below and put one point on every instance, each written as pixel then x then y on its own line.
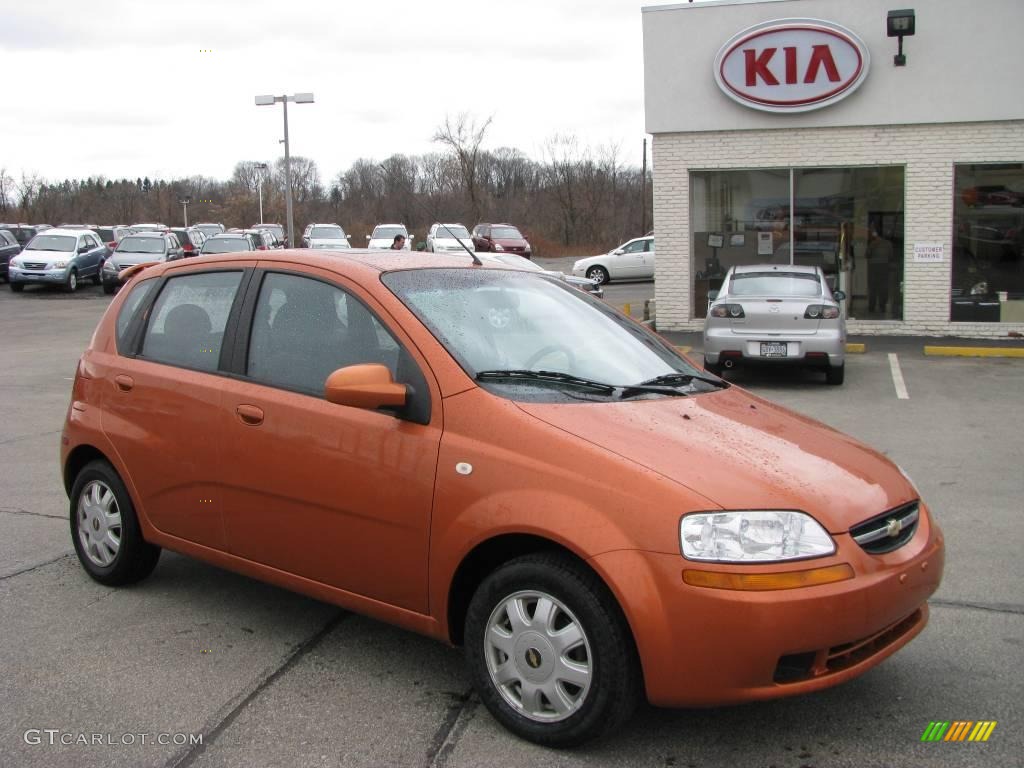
pixel 767 313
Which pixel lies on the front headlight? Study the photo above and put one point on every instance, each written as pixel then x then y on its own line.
pixel 497 247
pixel 753 537
pixel 60 263
pixel 109 266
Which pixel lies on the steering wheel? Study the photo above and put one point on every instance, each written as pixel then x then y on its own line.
pixel 550 349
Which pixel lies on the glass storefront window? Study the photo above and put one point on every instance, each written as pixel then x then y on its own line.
pixel 848 221
pixel 988 243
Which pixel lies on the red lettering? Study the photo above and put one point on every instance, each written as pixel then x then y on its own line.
pixel 820 55
pixel 758 65
pixel 790 65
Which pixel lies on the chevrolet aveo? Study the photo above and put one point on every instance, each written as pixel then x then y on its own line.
pixel 492 458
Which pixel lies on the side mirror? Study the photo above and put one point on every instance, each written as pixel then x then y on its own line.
pixel 83 248
pixel 839 295
pixel 618 252
pixel 712 295
pixel 368 386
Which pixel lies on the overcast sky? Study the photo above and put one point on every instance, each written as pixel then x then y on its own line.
pixel 122 87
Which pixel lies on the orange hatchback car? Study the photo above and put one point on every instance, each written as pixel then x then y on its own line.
pixel 492 458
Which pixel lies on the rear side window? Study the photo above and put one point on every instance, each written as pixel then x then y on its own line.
pixel 129 310
pixel 188 320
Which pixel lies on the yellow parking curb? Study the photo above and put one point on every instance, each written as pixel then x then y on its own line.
pixel 857 348
pixel 683 349
pixel 974 351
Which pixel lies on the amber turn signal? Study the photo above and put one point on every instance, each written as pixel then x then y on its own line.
pixel 763 582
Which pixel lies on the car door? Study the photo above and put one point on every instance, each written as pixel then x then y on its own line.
pixel 648 269
pixel 335 494
pixel 629 261
pixel 162 406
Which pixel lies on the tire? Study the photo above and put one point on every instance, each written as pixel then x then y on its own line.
pixel 835 375
pixel 72 282
pixel 610 684
pixel 97 279
pixel 118 555
pixel 109 289
pixel 17 287
pixel 599 275
pixel 715 368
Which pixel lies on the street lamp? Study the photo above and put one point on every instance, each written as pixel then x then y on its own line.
pixel 261 167
pixel 266 101
pixel 184 207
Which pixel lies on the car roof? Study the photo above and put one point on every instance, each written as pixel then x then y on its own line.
pixel 801 268
pixel 76 231
pixel 225 235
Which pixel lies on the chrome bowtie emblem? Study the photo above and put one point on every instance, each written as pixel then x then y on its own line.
pixel 893 528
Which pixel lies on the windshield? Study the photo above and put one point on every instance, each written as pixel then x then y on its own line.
pixel 506 233
pixel 452 231
pixel 330 233
pixel 141 245
pixel 52 243
pixel 388 233
pixel 797 284
pixel 493 319
pixel 226 245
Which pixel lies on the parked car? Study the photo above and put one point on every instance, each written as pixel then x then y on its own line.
pixel 498 238
pixel 447 238
pixel 8 248
pixel 767 313
pixel 191 239
pixel 277 229
pixel 646 530
pixel 511 260
pixel 384 236
pixel 325 236
pixel 634 259
pixel 111 235
pixel 210 229
pixel 58 257
pixel 139 249
pixel 22 232
pixel 263 239
pixel 227 243
pixel 144 227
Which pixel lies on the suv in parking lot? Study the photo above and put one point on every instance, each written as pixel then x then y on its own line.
pixel 138 249
pixel 22 232
pixel 191 239
pixel 58 257
pixel 8 248
pixel 499 238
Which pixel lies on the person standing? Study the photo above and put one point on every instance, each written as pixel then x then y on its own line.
pixel 879 257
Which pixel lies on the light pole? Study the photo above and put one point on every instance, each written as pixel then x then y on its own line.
pixel 261 167
pixel 298 98
pixel 184 207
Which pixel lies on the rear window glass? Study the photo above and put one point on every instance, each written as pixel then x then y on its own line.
pixel 775 284
pixel 129 310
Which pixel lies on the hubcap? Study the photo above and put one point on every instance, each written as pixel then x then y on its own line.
pixel 99 523
pixel 538 656
pixel 599 276
pixel 73 280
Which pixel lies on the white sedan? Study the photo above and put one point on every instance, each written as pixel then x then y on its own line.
pixel 383 237
pixel 633 260
pixel 448 238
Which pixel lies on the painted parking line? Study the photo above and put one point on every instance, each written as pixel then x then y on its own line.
pixel 897 377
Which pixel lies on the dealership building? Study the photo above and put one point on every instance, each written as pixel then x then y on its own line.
pixel 881 141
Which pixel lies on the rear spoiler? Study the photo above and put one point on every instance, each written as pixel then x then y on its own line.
pixel 128 273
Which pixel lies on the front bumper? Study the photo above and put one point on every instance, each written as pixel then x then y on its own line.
pixel 707 647
pixel 50 276
pixel 830 342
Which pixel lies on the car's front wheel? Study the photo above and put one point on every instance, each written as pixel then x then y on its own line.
pixel 16 287
pixel 550 653
pixel 71 284
pixel 599 275
pixel 105 530
pixel 109 288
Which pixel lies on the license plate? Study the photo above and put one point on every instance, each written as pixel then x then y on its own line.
pixel 769 349
pixel 30 276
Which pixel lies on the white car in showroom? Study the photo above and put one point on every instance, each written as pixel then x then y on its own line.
pixel 776 313
pixel 383 237
pixel 446 238
pixel 633 260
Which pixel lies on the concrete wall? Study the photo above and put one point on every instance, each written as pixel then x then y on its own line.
pixel 928 154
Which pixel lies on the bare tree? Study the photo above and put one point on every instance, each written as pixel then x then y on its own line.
pixel 463 135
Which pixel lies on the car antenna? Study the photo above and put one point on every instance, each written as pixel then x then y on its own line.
pixel 476 261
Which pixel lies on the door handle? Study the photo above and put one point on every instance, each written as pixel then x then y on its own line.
pixel 124 383
pixel 250 414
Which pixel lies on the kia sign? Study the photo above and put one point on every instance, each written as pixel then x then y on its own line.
pixel 791 65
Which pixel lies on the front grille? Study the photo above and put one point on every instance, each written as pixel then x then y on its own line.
pixel 888 531
pixel 797 667
pixel 34 265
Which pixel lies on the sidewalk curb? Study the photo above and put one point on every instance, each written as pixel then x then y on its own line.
pixel 855 348
pixel 943 351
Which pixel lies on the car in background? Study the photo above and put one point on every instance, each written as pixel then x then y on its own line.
pixel 584 284
pixel 191 239
pixel 23 232
pixel 448 238
pixel 277 229
pixel 633 260
pixel 8 248
pixel 234 242
pixel 210 229
pixel 324 236
pixel 147 227
pixel 498 238
pixel 112 234
pixel 263 239
pixel 771 313
pixel 383 237
pixel 139 248
pixel 58 257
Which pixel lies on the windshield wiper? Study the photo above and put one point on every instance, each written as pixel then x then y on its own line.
pixel 524 374
pixel 683 378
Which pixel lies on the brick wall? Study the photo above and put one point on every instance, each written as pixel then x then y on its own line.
pixel 928 154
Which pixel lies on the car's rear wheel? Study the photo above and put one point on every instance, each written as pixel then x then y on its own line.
pixel 835 374
pixel 715 368
pixel 550 653
pixel 71 284
pixel 17 287
pixel 105 530
pixel 599 275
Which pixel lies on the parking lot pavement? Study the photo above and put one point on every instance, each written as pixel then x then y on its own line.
pixel 272 678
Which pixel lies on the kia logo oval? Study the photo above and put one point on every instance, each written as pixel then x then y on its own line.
pixel 791 65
